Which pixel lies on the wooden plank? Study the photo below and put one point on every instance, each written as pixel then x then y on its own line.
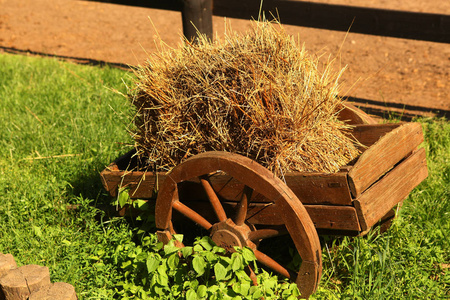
pixel 310 188
pixel 394 187
pixel 369 134
pixel 354 116
pixel 334 217
pixel 142 185
pixel 323 216
pixel 383 155
pixel 319 188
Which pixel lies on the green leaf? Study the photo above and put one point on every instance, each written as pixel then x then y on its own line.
pixel 142 205
pixel 161 276
pixel 186 251
pixel 170 248
pixel 211 257
pixel 237 262
pixel 242 276
pixel 152 263
pixel 245 287
pixel 236 288
pixel 220 271
pixel 217 249
pixel 198 248
pixel 173 260
pixel 123 197
pixel 199 265
pixel 191 295
pixel 178 237
pixel 202 291
pixel 207 243
pixel 248 254
pixel 257 294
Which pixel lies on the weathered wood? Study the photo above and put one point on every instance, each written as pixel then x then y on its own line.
pixel 311 188
pixel 369 134
pixel 394 187
pixel 197 18
pixel 19 283
pixel 142 185
pixel 55 291
pixel 320 188
pixel 334 217
pixel 259 179
pixel 323 216
pixel 352 115
pixel 7 263
pixel 383 155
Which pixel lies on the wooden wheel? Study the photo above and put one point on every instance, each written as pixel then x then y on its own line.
pixel 235 229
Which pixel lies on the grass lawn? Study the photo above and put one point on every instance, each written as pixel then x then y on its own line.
pixel 60 125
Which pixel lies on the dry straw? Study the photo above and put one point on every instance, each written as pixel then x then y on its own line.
pixel 258 94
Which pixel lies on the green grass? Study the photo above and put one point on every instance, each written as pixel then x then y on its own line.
pixel 60 125
pixel 68 112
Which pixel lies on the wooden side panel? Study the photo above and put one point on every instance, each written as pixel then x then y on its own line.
pixel 317 188
pixel 369 134
pixel 383 155
pixel 323 216
pixel 141 184
pixel 310 188
pixel 353 115
pixel 394 187
pixel 334 217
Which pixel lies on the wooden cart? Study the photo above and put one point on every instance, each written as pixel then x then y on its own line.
pixel 240 203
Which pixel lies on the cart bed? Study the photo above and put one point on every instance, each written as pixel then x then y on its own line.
pixel 348 202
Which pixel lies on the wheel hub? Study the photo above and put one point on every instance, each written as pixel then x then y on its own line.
pixel 228 235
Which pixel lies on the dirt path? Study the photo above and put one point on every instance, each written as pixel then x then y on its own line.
pixel 391 74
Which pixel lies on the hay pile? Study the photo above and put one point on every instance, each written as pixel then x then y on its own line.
pixel 258 94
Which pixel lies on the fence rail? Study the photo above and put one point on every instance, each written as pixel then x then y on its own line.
pixel 372 21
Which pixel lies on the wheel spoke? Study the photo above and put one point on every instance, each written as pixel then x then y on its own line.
pixel 243 206
pixel 191 214
pixel 217 206
pixel 266 233
pixel 252 275
pixel 272 264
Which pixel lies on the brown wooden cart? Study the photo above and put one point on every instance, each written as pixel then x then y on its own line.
pixel 240 203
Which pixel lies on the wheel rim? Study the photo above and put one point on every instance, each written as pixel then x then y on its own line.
pixel 233 231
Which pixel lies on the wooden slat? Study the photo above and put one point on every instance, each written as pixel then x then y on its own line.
pixel 323 216
pixel 334 217
pixel 142 184
pixel 310 188
pixel 318 188
pixel 383 155
pixel 354 116
pixel 369 134
pixel 394 187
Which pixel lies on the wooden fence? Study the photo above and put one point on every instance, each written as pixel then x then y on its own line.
pixel 373 21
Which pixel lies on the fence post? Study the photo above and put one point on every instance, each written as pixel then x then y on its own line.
pixel 197 16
